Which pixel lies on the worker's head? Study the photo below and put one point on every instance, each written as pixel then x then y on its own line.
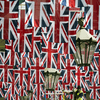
pixel 78 88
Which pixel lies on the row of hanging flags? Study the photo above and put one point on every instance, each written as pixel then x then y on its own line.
pixel 42 34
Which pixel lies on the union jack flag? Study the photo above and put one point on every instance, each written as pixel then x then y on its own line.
pixel 37 73
pixel 2 90
pixel 8 18
pixel 8 93
pixel 96 11
pixel 48 54
pixel 24 33
pixel 57 59
pixel 79 74
pixel 11 83
pixel 94 93
pixel 22 74
pixel 35 43
pixel 4 72
pixel 38 12
pixel 68 68
pixel 62 47
pixel 58 29
pixel 11 57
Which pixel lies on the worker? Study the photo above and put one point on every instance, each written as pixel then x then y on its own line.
pixel 78 93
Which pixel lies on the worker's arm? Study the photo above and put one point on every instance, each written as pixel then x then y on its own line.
pixel 79 96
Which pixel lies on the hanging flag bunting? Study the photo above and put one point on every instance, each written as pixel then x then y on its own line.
pixel 41 34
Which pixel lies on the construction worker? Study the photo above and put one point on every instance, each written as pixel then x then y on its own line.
pixel 78 93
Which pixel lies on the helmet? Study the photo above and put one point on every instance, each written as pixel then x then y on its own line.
pixel 78 87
